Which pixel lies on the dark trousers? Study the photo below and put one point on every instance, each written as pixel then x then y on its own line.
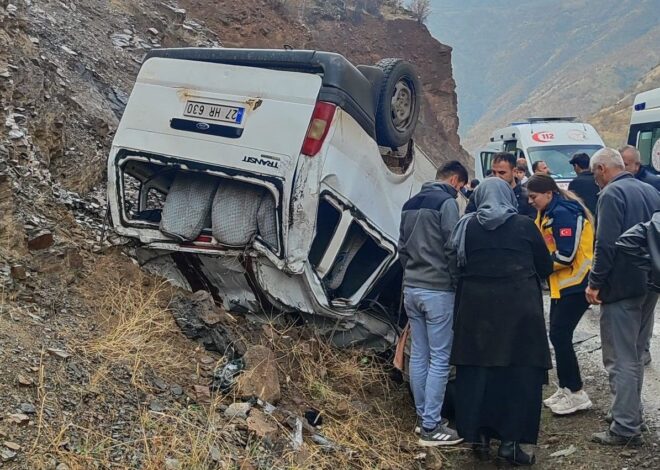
pixel 565 314
pixel 625 328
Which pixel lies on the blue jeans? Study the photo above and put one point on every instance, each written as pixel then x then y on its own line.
pixel 430 313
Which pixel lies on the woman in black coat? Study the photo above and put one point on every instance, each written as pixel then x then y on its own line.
pixel 500 347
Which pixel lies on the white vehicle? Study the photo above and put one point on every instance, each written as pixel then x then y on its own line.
pixel 552 140
pixel 257 175
pixel 645 128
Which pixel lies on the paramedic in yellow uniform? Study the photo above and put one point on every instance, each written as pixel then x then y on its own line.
pixel 567 228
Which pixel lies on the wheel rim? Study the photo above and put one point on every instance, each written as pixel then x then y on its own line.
pixel 403 105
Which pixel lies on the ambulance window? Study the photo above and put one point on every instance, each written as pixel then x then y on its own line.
pixel 486 161
pixel 648 141
pixel 510 146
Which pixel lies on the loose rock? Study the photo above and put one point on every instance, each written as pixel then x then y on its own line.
pixel 172 464
pixel 238 410
pixel 260 378
pixel 7 455
pixel 41 241
pixel 18 418
pixel 11 445
pixel 202 393
pixel 28 408
pixel 261 425
pixel 156 406
pixel 18 272
pixel 24 381
pixel 58 353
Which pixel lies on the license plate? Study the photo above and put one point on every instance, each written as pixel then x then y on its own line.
pixel 214 112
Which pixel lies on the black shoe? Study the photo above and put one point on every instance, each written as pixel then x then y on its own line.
pixel 512 453
pixel 647 358
pixel 643 427
pixel 608 438
pixel 481 449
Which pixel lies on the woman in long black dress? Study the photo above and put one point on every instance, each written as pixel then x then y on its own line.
pixel 500 345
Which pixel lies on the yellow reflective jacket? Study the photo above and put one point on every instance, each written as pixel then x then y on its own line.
pixel 569 236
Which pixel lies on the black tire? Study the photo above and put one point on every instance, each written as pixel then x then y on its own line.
pixel 399 102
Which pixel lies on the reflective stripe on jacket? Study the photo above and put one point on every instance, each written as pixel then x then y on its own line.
pixel 569 236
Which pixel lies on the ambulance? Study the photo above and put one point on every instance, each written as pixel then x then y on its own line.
pixel 644 130
pixel 553 140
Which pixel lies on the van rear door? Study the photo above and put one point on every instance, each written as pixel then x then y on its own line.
pixel 245 118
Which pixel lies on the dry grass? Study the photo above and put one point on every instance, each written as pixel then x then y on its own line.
pixel 365 416
pixel 362 414
pixel 136 331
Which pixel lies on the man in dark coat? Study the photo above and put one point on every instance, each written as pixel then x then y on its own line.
pixel 503 165
pixel 633 161
pixel 628 306
pixel 584 184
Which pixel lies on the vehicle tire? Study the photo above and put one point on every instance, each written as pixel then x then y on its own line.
pixel 398 103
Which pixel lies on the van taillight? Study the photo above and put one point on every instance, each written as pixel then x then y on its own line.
pixel 318 128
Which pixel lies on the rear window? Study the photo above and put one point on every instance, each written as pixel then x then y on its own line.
pixel 647 142
pixel 557 157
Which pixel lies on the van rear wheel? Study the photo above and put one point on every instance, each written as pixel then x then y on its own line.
pixel 398 104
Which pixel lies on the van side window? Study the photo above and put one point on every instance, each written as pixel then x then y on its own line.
pixel 510 146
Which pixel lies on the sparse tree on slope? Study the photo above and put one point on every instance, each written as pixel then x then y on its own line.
pixel 421 10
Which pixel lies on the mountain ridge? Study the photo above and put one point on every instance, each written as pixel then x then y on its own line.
pixel 561 57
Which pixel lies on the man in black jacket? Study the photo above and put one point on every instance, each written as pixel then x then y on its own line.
pixel 633 161
pixel 621 287
pixel 503 166
pixel 584 184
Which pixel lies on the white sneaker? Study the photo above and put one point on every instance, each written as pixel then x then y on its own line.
pixel 571 403
pixel 555 397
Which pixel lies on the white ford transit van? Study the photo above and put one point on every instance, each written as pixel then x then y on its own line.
pixel 260 176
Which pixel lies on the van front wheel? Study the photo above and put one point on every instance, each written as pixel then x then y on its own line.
pixel 398 103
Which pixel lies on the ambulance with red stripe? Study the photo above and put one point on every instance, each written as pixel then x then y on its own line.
pixel 553 140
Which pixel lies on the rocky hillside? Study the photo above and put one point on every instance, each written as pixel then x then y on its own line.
pixel 104 366
pixel 613 120
pixel 96 370
pixel 546 57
